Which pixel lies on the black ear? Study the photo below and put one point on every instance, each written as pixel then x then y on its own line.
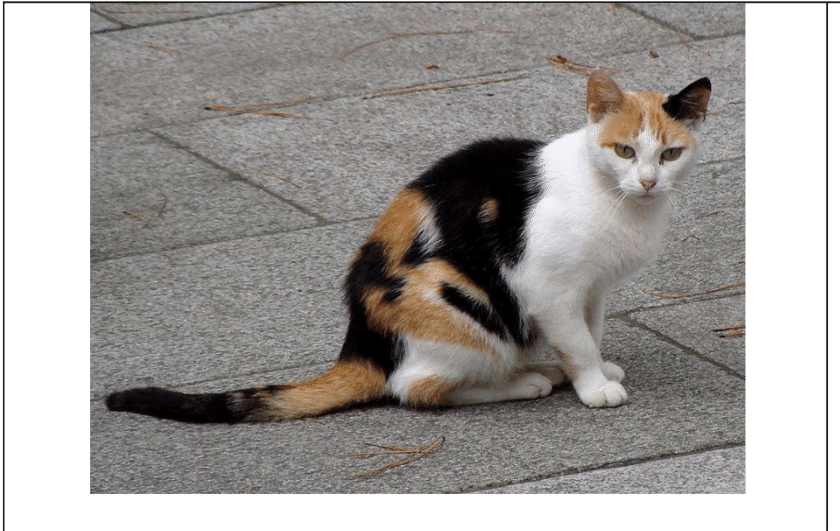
pixel 691 102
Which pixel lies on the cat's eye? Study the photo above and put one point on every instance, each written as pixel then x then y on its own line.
pixel 625 152
pixel 672 153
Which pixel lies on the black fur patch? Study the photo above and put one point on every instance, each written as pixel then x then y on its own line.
pixel 682 106
pixel 361 342
pixel 370 270
pixel 172 405
pixel 459 184
pixel 479 311
pixel 416 253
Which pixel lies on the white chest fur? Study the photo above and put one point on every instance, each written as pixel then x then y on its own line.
pixel 582 234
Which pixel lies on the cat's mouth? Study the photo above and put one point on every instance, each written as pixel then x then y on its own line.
pixel 647 197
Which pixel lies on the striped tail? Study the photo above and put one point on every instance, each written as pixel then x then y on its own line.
pixel 348 383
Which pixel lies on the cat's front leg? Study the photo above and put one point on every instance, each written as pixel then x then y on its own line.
pixel 596 383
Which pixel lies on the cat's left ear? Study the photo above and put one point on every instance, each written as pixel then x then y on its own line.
pixel 690 104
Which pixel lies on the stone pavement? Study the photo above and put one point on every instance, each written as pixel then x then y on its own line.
pixel 241 152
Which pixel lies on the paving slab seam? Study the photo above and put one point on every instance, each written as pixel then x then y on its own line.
pixel 164 252
pixel 101 12
pixel 236 177
pixel 362 95
pixel 625 318
pixel 657 20
pixel 670 26
pixel 679 302
pixel 609 466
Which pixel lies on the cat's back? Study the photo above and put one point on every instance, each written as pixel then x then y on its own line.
pixel 479 196
pixel 483 165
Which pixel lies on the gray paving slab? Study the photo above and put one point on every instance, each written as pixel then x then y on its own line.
pixel 237 283
pixel 205 312
pixel 100 23
pixel 698 325
pixel 142 14
pixel 149 195
pixel 712 472
pixel 679 404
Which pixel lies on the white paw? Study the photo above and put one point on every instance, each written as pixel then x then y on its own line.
pixel 533 385
pixel 612 371
pixel 610 394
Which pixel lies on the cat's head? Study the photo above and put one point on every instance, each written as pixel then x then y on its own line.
pixel 646 141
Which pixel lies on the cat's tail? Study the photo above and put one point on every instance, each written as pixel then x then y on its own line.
pixel 348 383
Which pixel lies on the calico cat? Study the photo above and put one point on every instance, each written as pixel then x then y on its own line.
pixel 497 250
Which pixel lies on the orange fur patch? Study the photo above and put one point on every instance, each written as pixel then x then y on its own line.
pixel 429 392
pixel 640 110
pixel 419 310
pixel 398 226
pixel 624 115
pixel 603 96
pixel 347 383
pixel 489 211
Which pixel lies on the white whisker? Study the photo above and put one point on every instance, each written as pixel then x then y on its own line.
pixel 615 205
pixel 678 208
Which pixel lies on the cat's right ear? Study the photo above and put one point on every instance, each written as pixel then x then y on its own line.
pixel 603 95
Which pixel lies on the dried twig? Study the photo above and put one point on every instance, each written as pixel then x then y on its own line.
pixel 685 295
pixel 390 450
pixel 441 87
pixel 707 214
pixel 254 110
pixel 386 450
pixel 158 210
pixel 731 331
pixel 135 215
pixel 579 68
pixel 161 48
pixel 257 108
pixel 392 36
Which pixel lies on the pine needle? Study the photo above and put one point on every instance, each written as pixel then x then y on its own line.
pixel 391 450
pixel 731 331
pixel 258 108
pixel 158 210
pixel 441 87
pixel 393 36
pixel 685 295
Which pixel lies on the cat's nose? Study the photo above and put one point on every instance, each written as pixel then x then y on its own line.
pixel 647 184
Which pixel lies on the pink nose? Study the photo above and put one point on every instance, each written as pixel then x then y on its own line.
pixel 647 184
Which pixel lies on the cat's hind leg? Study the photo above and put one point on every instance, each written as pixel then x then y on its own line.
pixel 433 374
pixel 523 386
pixel 551 370
pixel 612 371
pixel 437 391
